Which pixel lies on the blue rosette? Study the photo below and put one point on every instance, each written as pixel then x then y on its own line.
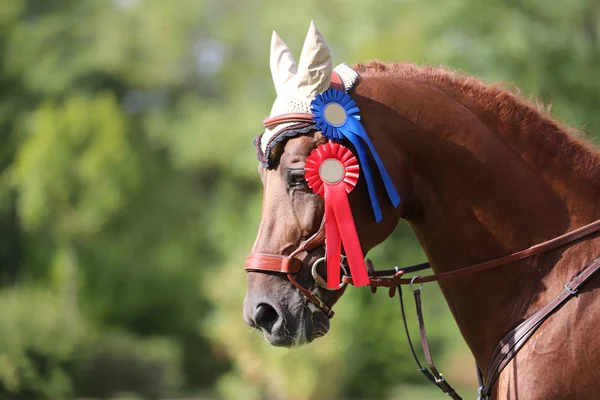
pixel 337 116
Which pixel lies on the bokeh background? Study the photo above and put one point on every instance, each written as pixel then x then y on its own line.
pixel 129 193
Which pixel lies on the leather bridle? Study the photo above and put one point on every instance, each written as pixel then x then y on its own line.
pixel 290 265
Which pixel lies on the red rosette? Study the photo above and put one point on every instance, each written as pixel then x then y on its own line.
pixel 332 172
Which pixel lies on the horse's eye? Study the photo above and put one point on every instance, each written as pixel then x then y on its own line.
pixel 295 178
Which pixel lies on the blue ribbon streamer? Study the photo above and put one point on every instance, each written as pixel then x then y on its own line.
pixel 352 130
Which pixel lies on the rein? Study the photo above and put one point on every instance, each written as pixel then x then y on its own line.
pixel 543 247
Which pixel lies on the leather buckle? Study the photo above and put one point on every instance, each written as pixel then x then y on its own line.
pixel 572 291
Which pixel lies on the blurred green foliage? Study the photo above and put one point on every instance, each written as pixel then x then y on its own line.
pixel 116 362
pixel 129 195
pixel 47 352
pixel 38 344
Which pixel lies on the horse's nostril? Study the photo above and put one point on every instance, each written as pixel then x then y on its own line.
pixel 265 316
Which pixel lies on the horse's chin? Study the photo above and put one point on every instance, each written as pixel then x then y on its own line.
pixel 315 324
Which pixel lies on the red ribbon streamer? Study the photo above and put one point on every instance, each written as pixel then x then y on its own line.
pixel 339 224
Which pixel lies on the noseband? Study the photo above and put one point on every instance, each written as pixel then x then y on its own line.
pixel 289 266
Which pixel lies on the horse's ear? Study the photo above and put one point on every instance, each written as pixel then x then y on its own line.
pixel 283 64
pixel 315 66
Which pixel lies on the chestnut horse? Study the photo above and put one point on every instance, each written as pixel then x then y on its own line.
pixel 482 174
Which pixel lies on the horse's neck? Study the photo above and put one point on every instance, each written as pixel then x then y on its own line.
pixel 480 197
pixel 567 165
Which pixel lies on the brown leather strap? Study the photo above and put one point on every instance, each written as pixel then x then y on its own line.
pixel 531 251
pixel 439 379
pixel 313 298
pixel 514 340
pixel 289 265
pixel 289 117
pixel 257 262
pixel 272 263
pixel 316 240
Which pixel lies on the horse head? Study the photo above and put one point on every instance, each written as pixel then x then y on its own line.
pixel 286 297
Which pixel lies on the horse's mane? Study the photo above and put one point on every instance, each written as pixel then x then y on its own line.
pixel 508 108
